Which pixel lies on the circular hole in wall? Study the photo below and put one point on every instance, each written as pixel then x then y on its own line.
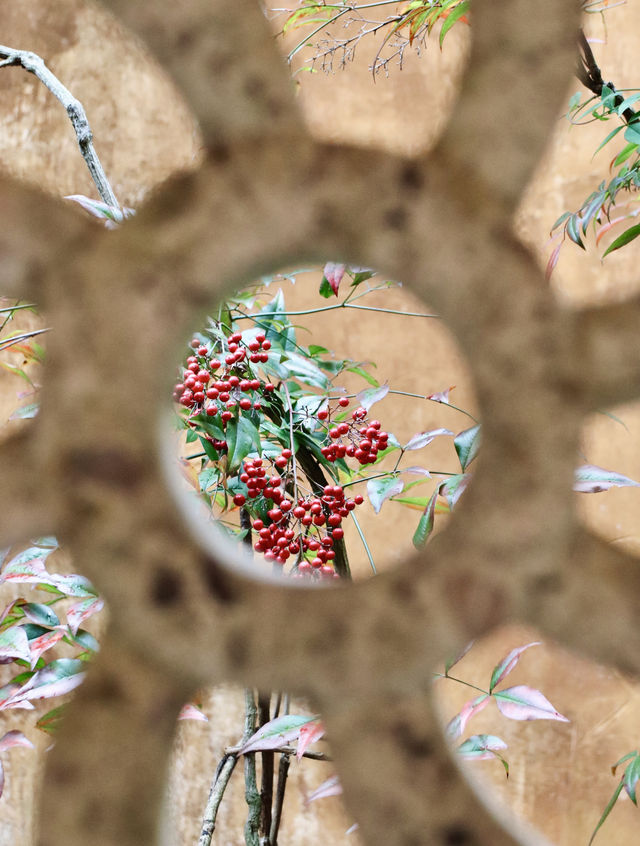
pixel 316 426
pixel 608 477
pixel 559 751
pixel 310 810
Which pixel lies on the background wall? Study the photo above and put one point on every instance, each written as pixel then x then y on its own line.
pixel 560 778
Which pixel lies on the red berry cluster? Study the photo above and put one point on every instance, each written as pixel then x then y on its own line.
pixel 215 386
pixel 357 439
pixel 305 529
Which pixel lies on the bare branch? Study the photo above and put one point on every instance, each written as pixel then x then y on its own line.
pixel 35 64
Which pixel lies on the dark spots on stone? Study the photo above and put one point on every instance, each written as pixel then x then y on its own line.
pixel 185 39
pixel 547 583
pixel 411 178
pixel 458 835
pixel 108 466
pixel 219 153
pixel 415 744
pixel 395 218
pixel 166 586
pixel 107 689
pixel 218 583
pixel 324 216
pixel 254 87
pixel 237 650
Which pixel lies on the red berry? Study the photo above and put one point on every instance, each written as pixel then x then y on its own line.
pixel 299 511
pixel 212 410
pixel 337 534
pixel 266 345
pixel 245 404
pixel 358 499
pixel 202 350
pixel 269 387
pixel 286 453
pixel 239 499
pixel 260 337
pixel 343 401
pixel 323 414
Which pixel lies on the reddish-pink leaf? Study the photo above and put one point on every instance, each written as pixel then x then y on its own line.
pixel 501 670
pixel 191 712
pixel 370 396
pixel 458 724
pixel 81 611
pixel 14 643
pixel 333 273
pixel 330 787
pixel 275 733
pixel 553 260
pixel 526 703
pixel 309 733
pixel 14 738
pixel 7 611
pixel 39 645
pixel 441 396
pixel 422 439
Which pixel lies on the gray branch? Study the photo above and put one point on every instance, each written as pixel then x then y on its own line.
pixel 35 65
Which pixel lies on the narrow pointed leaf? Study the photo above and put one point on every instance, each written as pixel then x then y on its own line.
pixel 453 661
pixel 14 738
pixel 454 487
pixel 81 611
pixel 467 444
pixel 309 733
pixel 481 747
pixel 457 14
pixel 330 787
pixel 276 733
pixel 191 712
pixel 458 724
pixel 441 396
pixel 592 479
pixel 422 439
pixel 630 778
pixel 622 240
pixel 333 273
pixel 41 614
pixel 41 644
pixel 369 396
pixel 14 644
pixel 606 811
pixel 425 525
pixel 50 722
pixel 501 670
pixel 58 677
pixel 526 703
pixel 381 489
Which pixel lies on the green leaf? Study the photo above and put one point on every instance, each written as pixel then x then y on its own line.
pixel 573 230
pixel 276 732
pixel 325 289
pixel 467 444
pixel 26 412
pixel 628 102
pixel 211 451
pixel 624 154
pixel 425 526
pixel 632 133
pixel 381 489
pixel 606 811
pixel 455 15
pixel 14 644
pixel 363 373
pixel 242 438
pixel 360 276
pixel 630 778
pixel 40 614
pixel 454 487
pixel 50 722
pixel 622 240
pixel 305 370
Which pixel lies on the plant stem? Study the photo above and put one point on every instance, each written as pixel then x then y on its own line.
pixel 252 796
pixel 336 306
pixel 35 65
pixel 9 342
pixel 364 543
pixel 283 772
pixel 220 782
pixel 266 791
pixel 466 684
pixel 421 396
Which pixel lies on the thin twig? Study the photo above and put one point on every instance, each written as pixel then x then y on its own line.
pixel 75 110
pixel 266 790
pixel 220 782
pixel 252 796
pixel 283 772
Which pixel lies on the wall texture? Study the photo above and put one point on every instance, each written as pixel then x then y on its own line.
pixel 144 132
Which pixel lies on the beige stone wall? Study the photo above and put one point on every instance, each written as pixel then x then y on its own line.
pixel 144 133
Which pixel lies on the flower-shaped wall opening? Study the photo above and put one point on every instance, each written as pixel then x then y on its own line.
pixel 307 430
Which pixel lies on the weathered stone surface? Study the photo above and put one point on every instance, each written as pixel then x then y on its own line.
pixel 514 545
